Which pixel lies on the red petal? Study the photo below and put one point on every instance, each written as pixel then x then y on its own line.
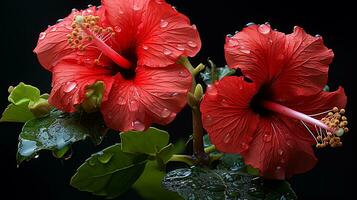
pixel 70 80
pixel 258 51
pixel 276 152
pixel 165 35
pixel 156 31
pixel 53 45
pixel 228 101
pixel 318 103
pixel 305 72
pixel 156 95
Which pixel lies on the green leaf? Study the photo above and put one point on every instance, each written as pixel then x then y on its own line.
pixel 24 93
pixel 60 153
pixel 200 183
pixel 148 142
pixel 166 153
pixel 220 72
pixel 55 132
pixel 110 172
pixel 149 184
pixel 17 113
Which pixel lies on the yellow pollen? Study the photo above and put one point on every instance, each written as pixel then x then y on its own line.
pixel 337 123
pixel 78 39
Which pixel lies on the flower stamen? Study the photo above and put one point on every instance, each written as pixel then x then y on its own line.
pixel 86 31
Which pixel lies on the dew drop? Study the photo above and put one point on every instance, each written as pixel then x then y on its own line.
pixel 105 158
pixel 280 152
pixel 227 138
pixel 180 47
pixel 145 47
pixel 244 146
pixel 117 29
pixel 194 27
pixel 137 125
pixel 136 7
pixel 233 42
pixel 159 1
pixel 163 23
pixel 250 24
pixel 264 29
pixel 70 86
pixel 61 20
pixel 121 12
pixel 167 52
pixel 73 10
pixel 192 44
pixel 267 137
pixel 183 74
pixel 165 113
pixel 42 35
pixel 37 156
pixel 175 94
pixel 318 36
pixel 90 5
pixel 212 90
pixel 53 29
pixel 278 169
pixel 134 105
pixel 246 51
pixel 121 101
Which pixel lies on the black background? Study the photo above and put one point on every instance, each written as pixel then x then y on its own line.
pixel 48 178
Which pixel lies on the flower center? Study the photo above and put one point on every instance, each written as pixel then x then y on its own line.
pixel 328 129
pixel 86 31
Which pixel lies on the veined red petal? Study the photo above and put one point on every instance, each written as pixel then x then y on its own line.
pixel 53 44
pixel 157 33
pixel 258 51
pixel 70 80
pixel 155 95
pixel 305 72
pixel 229 102
pixel 276 152
pixel 165 35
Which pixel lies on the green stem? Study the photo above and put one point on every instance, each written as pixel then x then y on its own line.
pixel 210 149
pixel 182 158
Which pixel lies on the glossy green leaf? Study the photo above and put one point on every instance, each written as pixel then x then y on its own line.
pixel 55 132
pixel 110 172
pixel 201 183
pixel 149 184
pixel 220 72
pixel 148 142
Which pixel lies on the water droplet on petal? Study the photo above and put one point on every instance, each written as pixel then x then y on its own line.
pixel 167 52
pixel 117 29
pixel 159 1
pixel 37 156
pixel 163 23
pixel 174 94
pixel 318 36
pixel 194 27
pixel 264 29
pixel 53 29
pixel 246 51
pixel 212 90
pixel 183 74
pixel 90 5
pixel 233 42
pixel 267 137
pixel 121 101
pixel 280 152
pixel 61 20
pixel 134 105
pixel 227 138
pixel 250 24
pixel 165 113
pixel 180 47
pixel 192 44
pixel 136 7
pixel 138 126
pixel 73 10
pixel 42 35
pixel 121 12
pixel 145 47
pixel 70 86
pixel 244 146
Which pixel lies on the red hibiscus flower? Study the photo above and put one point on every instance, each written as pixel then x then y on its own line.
pixel 132 46
pixel 274 119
